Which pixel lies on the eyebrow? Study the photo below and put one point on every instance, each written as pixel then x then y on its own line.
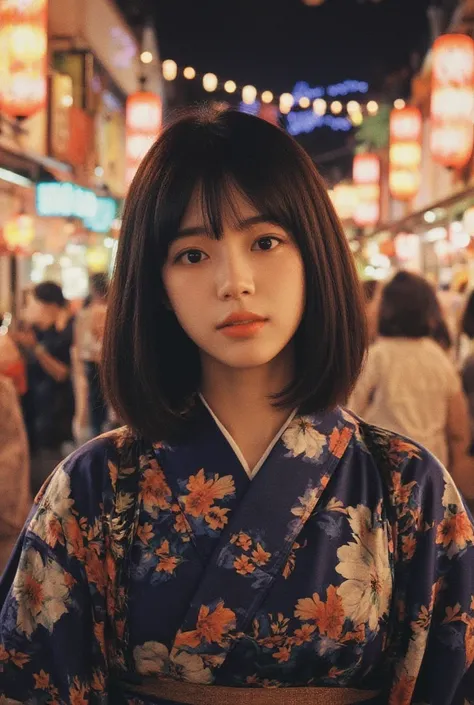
pixel 240 225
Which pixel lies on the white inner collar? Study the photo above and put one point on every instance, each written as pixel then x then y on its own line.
pixel 250 472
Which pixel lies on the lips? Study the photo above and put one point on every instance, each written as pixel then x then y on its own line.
pixel 241 318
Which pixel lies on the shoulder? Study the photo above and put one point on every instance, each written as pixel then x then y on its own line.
pixel 411 470
pixel 91 470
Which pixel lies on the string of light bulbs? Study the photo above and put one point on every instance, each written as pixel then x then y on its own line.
pixel 286 101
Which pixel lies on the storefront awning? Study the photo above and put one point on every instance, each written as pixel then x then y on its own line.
pixel 410 222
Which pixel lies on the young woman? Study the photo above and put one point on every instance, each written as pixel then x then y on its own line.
pixel 244 539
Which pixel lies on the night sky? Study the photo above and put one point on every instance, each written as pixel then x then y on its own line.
pixel 272 44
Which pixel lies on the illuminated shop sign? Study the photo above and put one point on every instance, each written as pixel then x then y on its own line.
pixel 68 200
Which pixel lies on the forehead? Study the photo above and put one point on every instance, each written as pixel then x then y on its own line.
pixel 234 208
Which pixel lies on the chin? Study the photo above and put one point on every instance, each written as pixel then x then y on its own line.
pixel 247 359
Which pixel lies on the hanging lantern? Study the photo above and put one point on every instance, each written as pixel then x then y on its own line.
pixel 19 233
pixel 452 100
pixel 23 57
pixel 344 199
pixel 405 153
pixel 366 176
pixel 144 114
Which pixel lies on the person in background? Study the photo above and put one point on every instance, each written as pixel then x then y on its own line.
pixel 12 364
pixel 408 384
pixel 48 343
pixel 15 496
pixel 467 371
pixel 440 331
pixel 371 289
pixel 88 335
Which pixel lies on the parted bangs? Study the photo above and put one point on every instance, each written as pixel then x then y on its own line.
pixel 151 369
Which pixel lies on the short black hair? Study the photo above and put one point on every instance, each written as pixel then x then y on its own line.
pixel 467 324
pixel 99 284
pixel 151 369
pixel 49 293
pixel 408 308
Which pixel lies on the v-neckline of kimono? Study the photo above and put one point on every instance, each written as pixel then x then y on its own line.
pixel 250 472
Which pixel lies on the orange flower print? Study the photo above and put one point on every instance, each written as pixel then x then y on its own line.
pixel 54 531
pixel 181 526
pixel 408 547
pixel 333 616
pixel 244 541
pixel 18 658
pixel 469 640
pixel 164 549
pixel 243 566
pixel 211 627
pixel 95 570
pixel 74 538
pixel 41 680
pixel 304 634
pixel 145 533
pixel 329 615
pixel 3 653
pixel 154 489
pixel 283 654
pixel 338 441
pixel 455 531
pixel 260 556
pixel 216 518
pixel 167 564
pixel 78 693
pixel 203 493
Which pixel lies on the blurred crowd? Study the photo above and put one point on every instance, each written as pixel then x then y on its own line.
pixel 418 380
pixel 50 393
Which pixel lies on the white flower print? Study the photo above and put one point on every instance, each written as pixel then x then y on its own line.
pixel 151 658
pixel 301 438
pixel 365 564
pixel 190 667
pixel 41 591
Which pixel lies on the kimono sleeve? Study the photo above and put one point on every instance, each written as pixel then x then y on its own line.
pixel 435 588
pixel 52 620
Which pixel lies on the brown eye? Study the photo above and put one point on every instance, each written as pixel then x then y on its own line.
pixel 266 243
pixel 191 257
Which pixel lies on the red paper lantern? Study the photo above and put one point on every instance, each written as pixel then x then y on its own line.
pixel 452 100
pixel 405 153
pixel 144 115
pixel 366 176
pixel 23 56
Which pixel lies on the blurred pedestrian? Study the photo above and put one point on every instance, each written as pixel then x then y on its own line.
pixel 439 329
pixel 467 372
pixel 12 364
pixel 15 496
pixel 371 289
pixel 47 344
pixel 408 384
pixel 88 337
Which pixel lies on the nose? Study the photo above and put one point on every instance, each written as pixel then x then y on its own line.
pixel 234 278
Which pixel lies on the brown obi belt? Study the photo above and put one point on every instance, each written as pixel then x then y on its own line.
pixel 186 693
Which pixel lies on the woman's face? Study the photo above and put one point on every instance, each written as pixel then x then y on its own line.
pixel 241 298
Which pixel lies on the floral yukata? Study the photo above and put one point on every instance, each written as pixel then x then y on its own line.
pixel 347 561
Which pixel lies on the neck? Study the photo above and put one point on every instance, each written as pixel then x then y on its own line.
pixel 242 398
